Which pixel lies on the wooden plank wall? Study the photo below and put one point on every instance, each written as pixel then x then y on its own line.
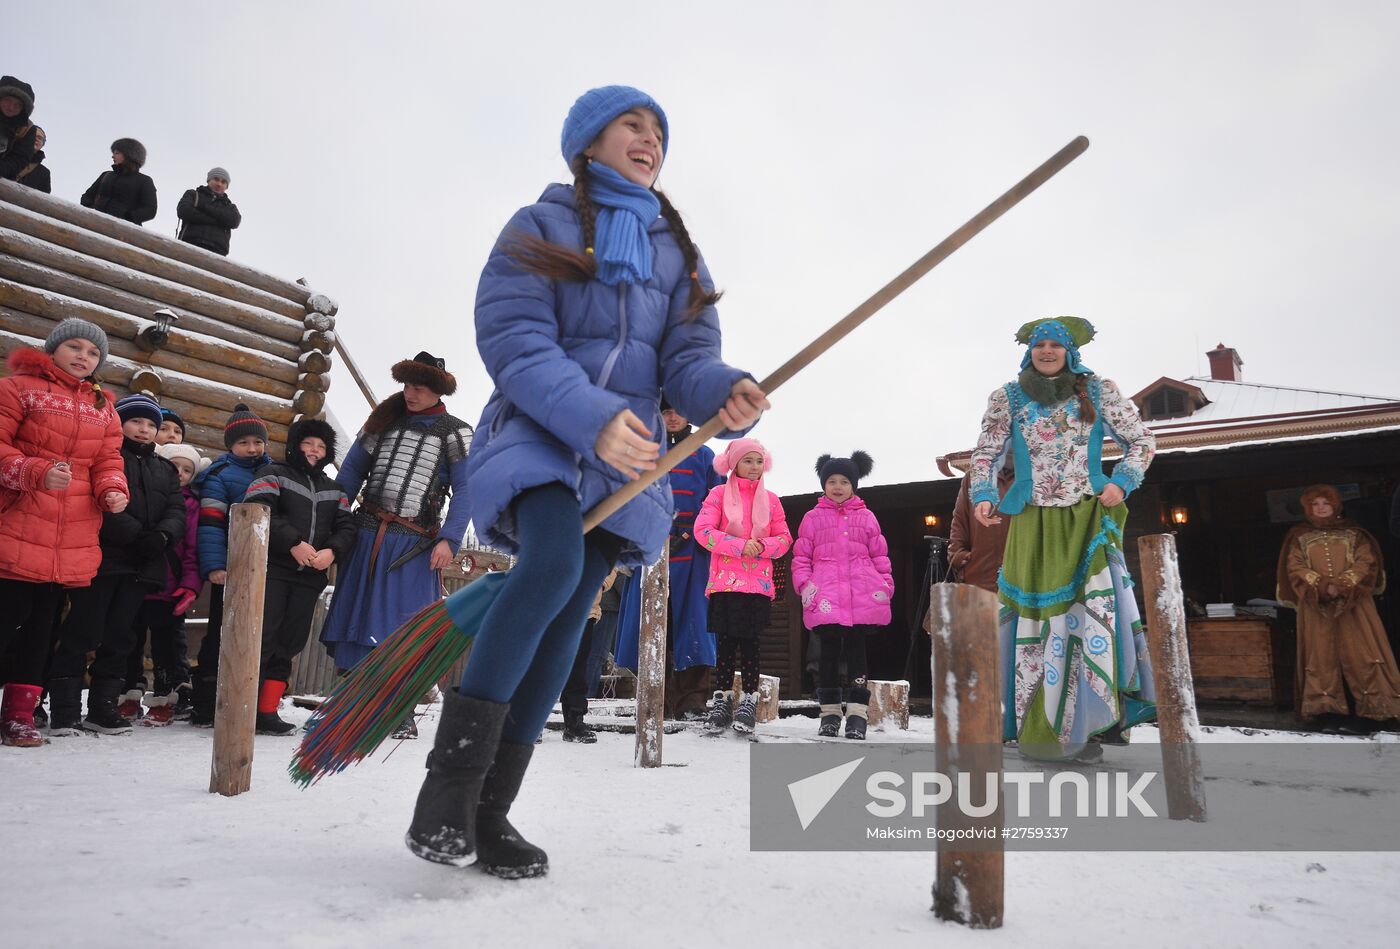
pixel 242 335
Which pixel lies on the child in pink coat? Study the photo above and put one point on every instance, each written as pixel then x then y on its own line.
pixel 742 525
pixel 841 570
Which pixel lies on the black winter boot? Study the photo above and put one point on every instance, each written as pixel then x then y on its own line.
pixel 202 697
pixel 444 819
pixel 721 712
pixel 500 849
pixel 857 710
pixel 746 715
pixel 830 701
pixel 66 706
pixel 575 729
pixel 102 714
pixel 270 723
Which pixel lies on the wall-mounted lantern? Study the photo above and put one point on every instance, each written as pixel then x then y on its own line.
pixel 157 334
pixel 930 521
pixel 1180 515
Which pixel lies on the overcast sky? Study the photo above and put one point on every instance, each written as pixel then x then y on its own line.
pixel 1240 186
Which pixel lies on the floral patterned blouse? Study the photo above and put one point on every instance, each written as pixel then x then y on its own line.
pixel 1057 440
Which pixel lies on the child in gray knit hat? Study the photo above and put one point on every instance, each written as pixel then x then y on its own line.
pixel 74 328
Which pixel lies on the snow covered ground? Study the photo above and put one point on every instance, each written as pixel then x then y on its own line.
pixel 114 841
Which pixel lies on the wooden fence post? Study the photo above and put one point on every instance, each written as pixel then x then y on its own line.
pixel 1171 666
pixel 970 885
pixel 240 647
pixel 651 662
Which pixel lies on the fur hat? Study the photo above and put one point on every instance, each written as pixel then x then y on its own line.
pixel 854 468
pixel 74 328
pixel 242 423
pixel 305 428
pixel 1333 497
pixel 592 112
pixel 180 450
pixel 139 405
pixel 425 369
pixel 132 150
pixel 23 91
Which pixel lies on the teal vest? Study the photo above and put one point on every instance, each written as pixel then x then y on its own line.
pixel 1019 494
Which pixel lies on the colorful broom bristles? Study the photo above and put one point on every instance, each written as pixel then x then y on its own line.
pixel 370 701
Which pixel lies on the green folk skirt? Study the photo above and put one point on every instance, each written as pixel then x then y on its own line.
pixel 1074 658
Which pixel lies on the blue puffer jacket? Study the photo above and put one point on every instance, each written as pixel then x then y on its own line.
pixel 220 486
pixel 566 358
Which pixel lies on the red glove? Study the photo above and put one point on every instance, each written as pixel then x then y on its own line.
pixel 184 599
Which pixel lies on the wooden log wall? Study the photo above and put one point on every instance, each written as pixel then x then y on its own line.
pixel 242 335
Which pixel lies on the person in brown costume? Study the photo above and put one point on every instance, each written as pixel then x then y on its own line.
pixel 974 549
pixel 1330 571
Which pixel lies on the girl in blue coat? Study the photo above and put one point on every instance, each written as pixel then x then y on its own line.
pixel 593 299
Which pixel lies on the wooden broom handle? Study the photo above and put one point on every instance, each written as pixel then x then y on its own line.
pixel 1051 167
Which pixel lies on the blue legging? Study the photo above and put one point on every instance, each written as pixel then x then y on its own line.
pixel 530 633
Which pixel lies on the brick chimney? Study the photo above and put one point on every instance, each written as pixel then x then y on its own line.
pixel 1225 364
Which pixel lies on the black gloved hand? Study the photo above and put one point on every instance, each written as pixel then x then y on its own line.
pixel 148 544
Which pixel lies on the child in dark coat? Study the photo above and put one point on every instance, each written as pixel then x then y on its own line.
pixel 163 613
pixel 133 563
pixel 220 486
pixel 312 528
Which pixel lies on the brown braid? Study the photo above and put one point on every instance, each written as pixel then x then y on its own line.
pixel 1086 405
pixel 699 296
pixel 539 256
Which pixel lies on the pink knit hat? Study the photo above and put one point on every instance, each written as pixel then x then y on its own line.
pixel 733 502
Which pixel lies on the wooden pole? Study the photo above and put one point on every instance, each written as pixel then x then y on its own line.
pixel 843 327
pixel 355 373
pixel 651 662
pixel 970 885
pixel 236 706
pixel 1171 665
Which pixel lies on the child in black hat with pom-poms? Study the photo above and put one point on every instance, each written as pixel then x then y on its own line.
pixel 841 570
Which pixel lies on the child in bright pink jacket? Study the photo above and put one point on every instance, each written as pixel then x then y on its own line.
pixel 742 525
pixel 841 570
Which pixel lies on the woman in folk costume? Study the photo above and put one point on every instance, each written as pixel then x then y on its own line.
pixel 1075 662
pixel 408 459
pixel 1330 571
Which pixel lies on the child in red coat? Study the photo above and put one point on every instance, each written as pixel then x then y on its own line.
pixel 60 468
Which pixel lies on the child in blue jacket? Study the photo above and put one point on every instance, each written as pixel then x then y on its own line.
pixel 220 486
pixel 593 299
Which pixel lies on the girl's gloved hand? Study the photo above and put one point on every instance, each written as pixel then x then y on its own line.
pixel 184 599
pixel 809 593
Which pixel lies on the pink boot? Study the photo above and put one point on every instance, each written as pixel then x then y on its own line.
pixel 17 716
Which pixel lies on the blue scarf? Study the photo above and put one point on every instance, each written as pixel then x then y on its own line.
pixel 621 245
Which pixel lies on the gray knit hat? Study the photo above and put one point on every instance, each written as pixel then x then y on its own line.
pixel 74 328
pixel 217 172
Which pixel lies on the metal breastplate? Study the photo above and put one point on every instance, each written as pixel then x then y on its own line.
pixel 405 476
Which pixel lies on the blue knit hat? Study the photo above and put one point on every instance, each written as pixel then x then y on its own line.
pixel 596 108
pixel 1071 332
pixel 139 405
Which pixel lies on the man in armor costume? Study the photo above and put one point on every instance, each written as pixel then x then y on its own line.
pixel 409 457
